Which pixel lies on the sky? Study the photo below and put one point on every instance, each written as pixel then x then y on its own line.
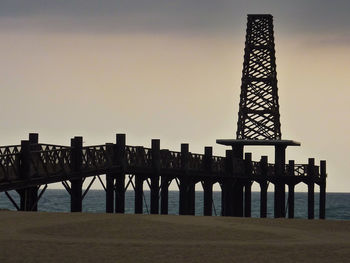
pixel 171 70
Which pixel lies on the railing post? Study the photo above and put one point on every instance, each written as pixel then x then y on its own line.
pixel 291 189
pixel 155 176
pixel 164 184
pixel 310 188
pixel 263 186
pixel 323 176
pixel 248 185
pixel 76 183
pixel 120 176
pixel 184 181
pixel 208 182
pixel 110 150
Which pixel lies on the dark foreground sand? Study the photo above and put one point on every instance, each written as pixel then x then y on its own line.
pixel 61 237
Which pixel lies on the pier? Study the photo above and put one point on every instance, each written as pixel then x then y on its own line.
pixel 31 165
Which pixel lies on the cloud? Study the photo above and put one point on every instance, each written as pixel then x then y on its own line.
pixel 180 16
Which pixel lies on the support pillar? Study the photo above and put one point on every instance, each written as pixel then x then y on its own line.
pixel 120 175
pixel 184 181
pixel 237 151
pixel 191 199
pixel 77 182
pixel 248 185
pixel 263 187
pixel 138 194
pixel 248 199
pixel 311 188
pixel 237 198
pixel 28 198
pixel 183 206
pixel 208 184
pixel 291 201
pixel 155 177
pixel 237 186
pixel 76 195
pixel 24 175
pixel 33 191
pixel 29 195
pixel 208 197
pixel 279 197
pixel 164 192
pixel 224 197
pixel 120 193
pixel 291 187
pixel 109 193
pixel 323 175
pixel 227 186
pixel 110 179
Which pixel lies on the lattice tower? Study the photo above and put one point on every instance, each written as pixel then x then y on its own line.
pixel 258 116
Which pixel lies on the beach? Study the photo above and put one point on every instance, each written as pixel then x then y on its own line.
pixel 88 237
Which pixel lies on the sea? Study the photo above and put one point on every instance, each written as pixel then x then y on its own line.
pixel 58 200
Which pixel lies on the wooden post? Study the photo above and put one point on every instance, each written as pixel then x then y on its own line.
pixel 77 183
pixel 237 151
pixel 29 195
pixel 263 186
pixel 110 149
pixel 279 197
pixel 24 172
pixel 164 195
pixel 33 191
pixel 191 198
pixel 291 189
pixel 227 186
pixel 237 185
pixel 139 178
pixel 138 194
pixel 191 194
pixel 311 188
pixel 208 184
pixel 248 185
pixel 120 176
pixel 164 184
pixel 323 176
pixel 184 181
pixel 237 199
pixel 291 200
pixel 155 176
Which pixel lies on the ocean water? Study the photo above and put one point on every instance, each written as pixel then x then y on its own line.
pixel 337 204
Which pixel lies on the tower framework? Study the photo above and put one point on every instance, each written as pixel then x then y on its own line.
pixel 258 117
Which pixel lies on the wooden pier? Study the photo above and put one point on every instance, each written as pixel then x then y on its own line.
pixel 31 164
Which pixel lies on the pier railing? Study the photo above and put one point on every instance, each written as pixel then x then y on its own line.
pixel 54 160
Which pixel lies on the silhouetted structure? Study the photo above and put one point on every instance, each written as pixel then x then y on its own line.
pixel 259 118
pixel 31 164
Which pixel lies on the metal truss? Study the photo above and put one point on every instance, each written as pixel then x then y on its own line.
pixel 258 117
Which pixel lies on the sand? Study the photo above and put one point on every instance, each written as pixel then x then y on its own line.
pixel 77 237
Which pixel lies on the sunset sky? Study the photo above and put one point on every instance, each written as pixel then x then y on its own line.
pixel 172 70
